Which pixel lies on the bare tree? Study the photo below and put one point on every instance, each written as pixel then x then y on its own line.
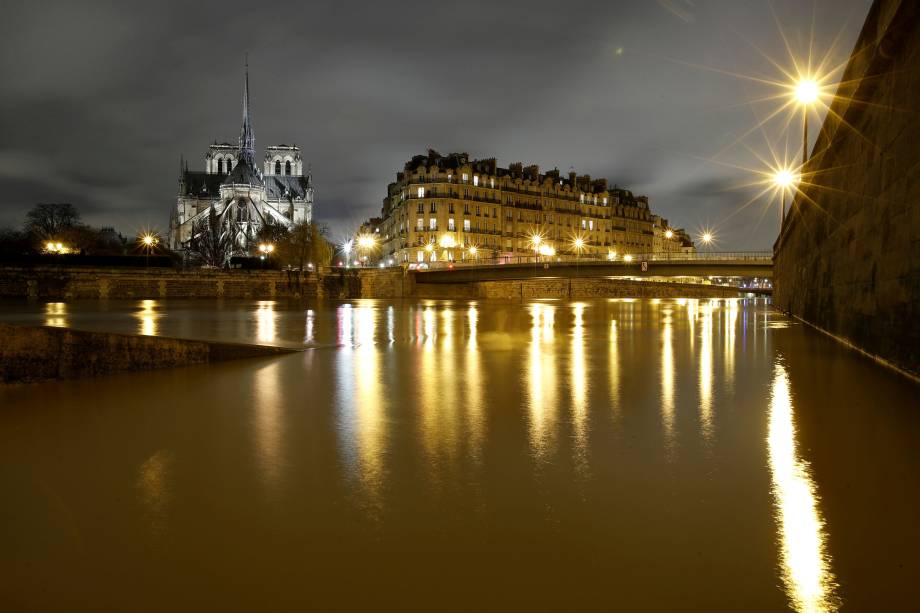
pixel 48 220
pixel 304 244
pixel 211 242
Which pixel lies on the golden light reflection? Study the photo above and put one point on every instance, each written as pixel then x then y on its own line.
pixel 731 323
pixel 309 335
pixel 147 317
pixel 265 321
pixel 474 401
pixel 363 423
pixel 667 379
pixel 706 427
pixel 578 383
pixel 154 488
pixel 806 565
pixel 269 397
pixel 56 314
pixel 613 366
pixel 541 379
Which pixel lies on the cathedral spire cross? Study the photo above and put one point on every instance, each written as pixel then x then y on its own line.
pixel 247 139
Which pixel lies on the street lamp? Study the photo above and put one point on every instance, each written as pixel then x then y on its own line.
pixel 148 242
pixel 783 179
pixel 807 91
pixel 669 234
pixel 347 246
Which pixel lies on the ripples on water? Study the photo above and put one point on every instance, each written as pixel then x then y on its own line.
pixel 655 454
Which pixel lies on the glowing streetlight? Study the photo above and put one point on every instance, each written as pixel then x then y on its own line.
pixel 707 237
pixel 669 234
pixel 784 179
pixel 806 92
pixel 366 241
pixel 429 247
pixel 627 258
pixel 473 251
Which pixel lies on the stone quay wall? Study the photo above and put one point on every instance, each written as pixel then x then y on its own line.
pixel 34 353
pixel 62 283
pixel 848 258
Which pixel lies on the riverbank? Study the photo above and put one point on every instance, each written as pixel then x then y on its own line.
pixel 35 353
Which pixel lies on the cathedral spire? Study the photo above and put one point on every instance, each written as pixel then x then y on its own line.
pixel 247 139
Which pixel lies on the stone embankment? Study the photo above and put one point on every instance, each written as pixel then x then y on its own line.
pixel 34 353
pixel 848 258
pixel 60 283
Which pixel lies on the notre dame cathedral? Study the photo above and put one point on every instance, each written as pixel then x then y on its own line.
pixel 244 196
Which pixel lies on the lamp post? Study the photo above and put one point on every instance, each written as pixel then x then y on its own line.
pixel 807 92
pixel 346 249
pixel 148 242
pixel 783 179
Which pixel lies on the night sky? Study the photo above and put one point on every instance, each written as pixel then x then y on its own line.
pixel 99 99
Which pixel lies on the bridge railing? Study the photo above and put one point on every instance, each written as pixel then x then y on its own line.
pixel 754 257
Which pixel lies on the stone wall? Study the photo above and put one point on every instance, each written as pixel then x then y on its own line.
pixel 32 353
pixel 848 257
pixel 71 283
pixel 580 288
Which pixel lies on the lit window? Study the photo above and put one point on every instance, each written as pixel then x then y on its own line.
pixel 450 225
pixel 277 167
pixel 421 192
pixel 466 225
pixel 591 224
pixel 466 177
pixel 420 225
pixel 449 177
pixel 582 198
pixel 492 182
pixel 432 224
pixel 475 179
pixel 584 224
pixel 605 202
pixel 420 256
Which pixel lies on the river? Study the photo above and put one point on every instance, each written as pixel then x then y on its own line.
pixel 435 455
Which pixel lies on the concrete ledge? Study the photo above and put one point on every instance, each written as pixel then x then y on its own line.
pixel 35 353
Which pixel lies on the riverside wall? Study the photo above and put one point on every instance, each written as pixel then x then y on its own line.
pixel 52 283
pixel 34 353
pixel 848 257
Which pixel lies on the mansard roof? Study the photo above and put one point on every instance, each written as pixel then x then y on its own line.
pixel 207 185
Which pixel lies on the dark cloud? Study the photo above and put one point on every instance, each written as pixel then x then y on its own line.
pixel 99 99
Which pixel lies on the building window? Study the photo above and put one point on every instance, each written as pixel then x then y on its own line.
pixel 421 192
pixel 476 180
pixel 450 207
pixel 582 198
pixel 584 224
pixel 450 225
pixel 492 183
pixel 421 208
pixel 466 209
pixel 449 177
pixel 591 224
pixel 432 224
pixel 277 167
pixel 220 167
pixel 466 177
pixel 477 211
pixel 605 202
pixel 466 225
pixel 433 208
pixel 287 167
pixel 420 225
pixel 420 256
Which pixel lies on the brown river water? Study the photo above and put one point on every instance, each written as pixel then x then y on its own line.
pixel 634 455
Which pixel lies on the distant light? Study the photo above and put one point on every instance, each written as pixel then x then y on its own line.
pixel 627 258
pixel 707 237
pixel 447 241
pixel 611 255
pixel 473 250
pixel 784 178
pixel 536 239
pixel 347 246
pixel 669 234
pixel 429 247
pixel 382 265
pixel 366 241
pixel 547 250
pixel 578 243
pixel 807 91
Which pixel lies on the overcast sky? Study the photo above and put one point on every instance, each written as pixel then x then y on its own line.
pixel 99 99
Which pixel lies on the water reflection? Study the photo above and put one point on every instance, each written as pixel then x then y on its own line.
pixel 56 314
pixel 309 335
pixel 474 388
pixel 361 421
pixel 541 380
pixel 265 321
pixel 705 375
pixel 613 366
pixel 268 427
pixel 667 380
pixel 578 383
pixel 147 318
pixel 806 565
pixel 154 490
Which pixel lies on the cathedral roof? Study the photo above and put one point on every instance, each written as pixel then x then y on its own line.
pixel 244 173
pixel 207 185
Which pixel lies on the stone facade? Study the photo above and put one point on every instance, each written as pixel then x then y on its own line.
pixel 848 257
pixel 441 206
pixel 245 196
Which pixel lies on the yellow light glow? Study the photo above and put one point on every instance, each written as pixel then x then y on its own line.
pixel 49 247
pixel 578 243
pixel 447 241
pixel 669 234
pixel 536 239
pixel 429 247
pixel 473 250
pixel 807 91
pixel 627 258
pixel 784 178
pixel 707 237
pixel 547 250
pixel 366 241
pixel 611 255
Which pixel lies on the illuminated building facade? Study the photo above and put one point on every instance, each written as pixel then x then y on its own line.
pixel 441 206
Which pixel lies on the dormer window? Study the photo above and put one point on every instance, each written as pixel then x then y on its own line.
pixel 476 180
